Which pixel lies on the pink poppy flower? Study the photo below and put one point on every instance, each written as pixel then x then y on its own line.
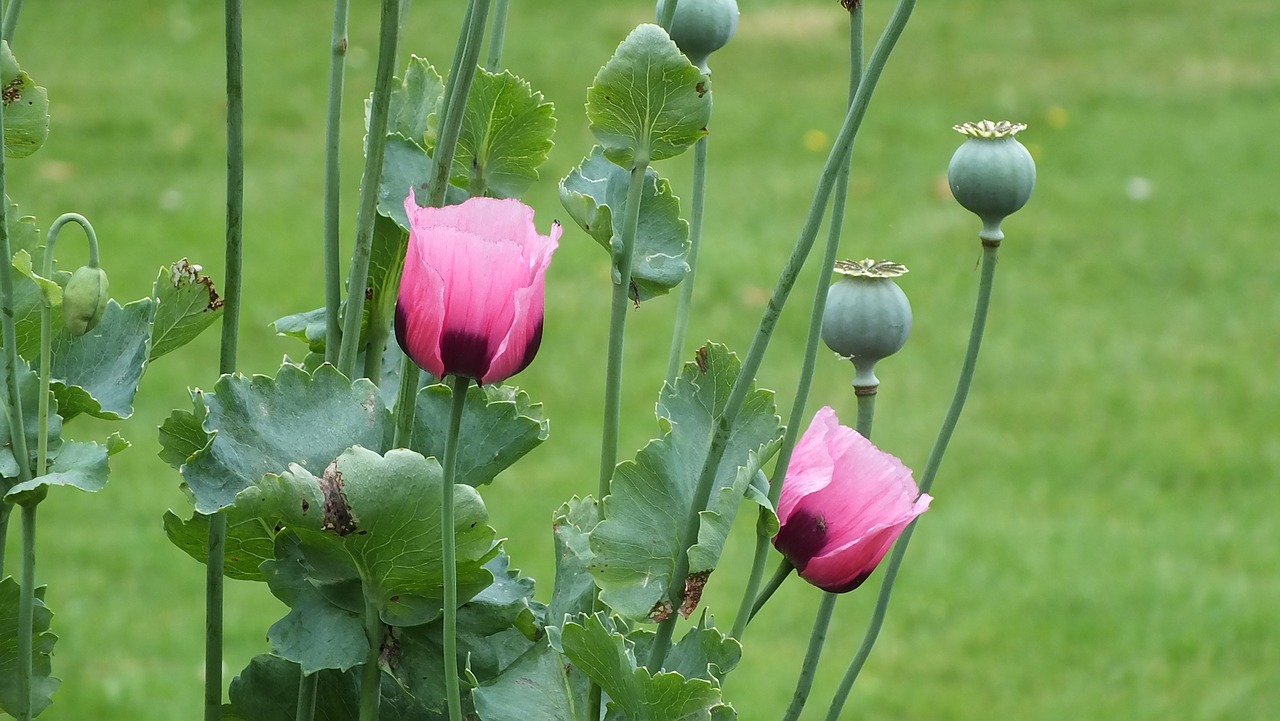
pixel 471 293
pixel 843 504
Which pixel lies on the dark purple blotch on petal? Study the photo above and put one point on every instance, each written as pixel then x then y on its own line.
pixel 850 585
pixel 801 537
pixel 465 354
pixel 530 350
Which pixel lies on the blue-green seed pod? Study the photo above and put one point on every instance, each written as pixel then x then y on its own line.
pixel 84 300
pixel 991 174
pixel 867 317
pixel 702 27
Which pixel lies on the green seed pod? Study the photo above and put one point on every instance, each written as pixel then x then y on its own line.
pixel 868 317
pixel 991 174
pixel 702 27
pixel 84 300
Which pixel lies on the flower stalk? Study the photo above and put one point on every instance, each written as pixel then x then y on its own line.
pixel 452 695
pixel 497 36
pixel 684 307
pixel 333 183
pixel 371 672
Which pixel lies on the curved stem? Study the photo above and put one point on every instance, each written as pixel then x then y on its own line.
pixel 775 582
pixel 497 35
pixel 358 277
pixel 990 252
pixel 685 307
pixel 11 21
pixel 26 610
pixel 371 673
pixel 333 183
pixel 452 695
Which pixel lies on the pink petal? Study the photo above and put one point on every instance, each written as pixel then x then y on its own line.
pixel 812 461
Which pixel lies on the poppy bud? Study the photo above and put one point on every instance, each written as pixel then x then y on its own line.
pixel 471 293
pixel 991 174
pixel 84 300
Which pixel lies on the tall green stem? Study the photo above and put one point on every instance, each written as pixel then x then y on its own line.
pixel 804 684
pixel 622 303
pixel 26 609
pixel 685 306
pixel 376 145
pixel 333 183
pixel 497 36
pixel 11 21
pixel 216 559
pixel 452 695
pixel 990 253
pixel 371 673
pixel 805 382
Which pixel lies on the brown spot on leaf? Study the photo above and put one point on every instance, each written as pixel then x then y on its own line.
pixel 851 4
pixel 701 359
pixel 186 272
pixel 337 513
pixel 11 91
pixel 661 611
pixel 701 88
pixel 693 586
pixel 635 294
pixel 305 506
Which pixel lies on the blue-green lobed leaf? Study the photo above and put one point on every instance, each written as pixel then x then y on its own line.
pixel 648 100
pixel 260 425
pixel 595 194
pixel 500 424
pixel 26 108
pixel 637 545
pixel 186 304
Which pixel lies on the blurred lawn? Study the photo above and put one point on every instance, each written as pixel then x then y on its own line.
pixel 1102 545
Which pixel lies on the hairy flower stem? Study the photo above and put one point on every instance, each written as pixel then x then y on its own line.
pixel 376 145
pixel 215 560
pixel 371 673
pixel 452 110
pixel 990 253
pixel 803 385
pixel 333 183
pixel 822 621
pixel 11 21
pixel 448 543
pixel 685 306
pixel 497 35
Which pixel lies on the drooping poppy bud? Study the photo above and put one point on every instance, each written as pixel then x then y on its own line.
pixel 471 293
pixel 84 300
pixel 843 504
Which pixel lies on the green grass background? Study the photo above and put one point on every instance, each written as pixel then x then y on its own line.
pixel 1103 543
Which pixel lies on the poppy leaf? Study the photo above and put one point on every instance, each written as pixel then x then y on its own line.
pixel 187 304
pixel 595 194
pixel 499 426
pixel 26 108
pixel 637 545
pixel 42 683
pixel 648 100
